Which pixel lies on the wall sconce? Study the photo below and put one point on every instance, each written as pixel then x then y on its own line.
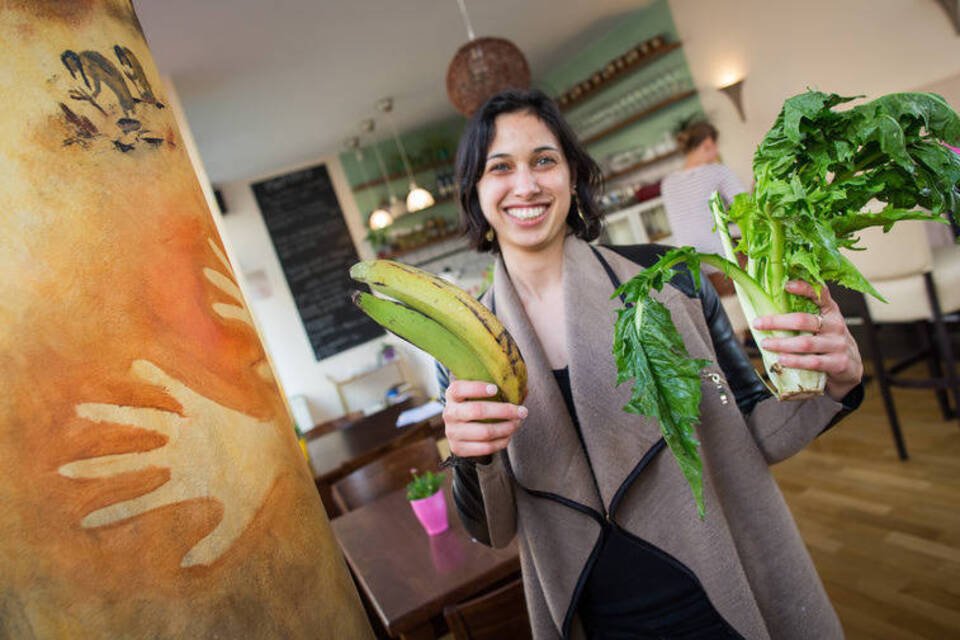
pixel 734 91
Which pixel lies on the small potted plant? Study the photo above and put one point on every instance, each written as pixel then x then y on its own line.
pixel 428 501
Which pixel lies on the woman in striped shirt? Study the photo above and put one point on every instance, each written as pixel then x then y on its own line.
pixel 686 195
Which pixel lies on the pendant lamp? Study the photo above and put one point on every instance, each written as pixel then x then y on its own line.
pixel 418 198
pixel 379 217
pixel 396 208
pixel 483 67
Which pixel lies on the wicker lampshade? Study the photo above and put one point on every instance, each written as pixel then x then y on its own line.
pixel 483 67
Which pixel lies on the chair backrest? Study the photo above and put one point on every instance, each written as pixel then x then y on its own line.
pixel 502 613
pixel 387 473
pixel 902 252
pixel 332 425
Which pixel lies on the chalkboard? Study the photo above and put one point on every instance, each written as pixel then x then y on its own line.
pixel 310 236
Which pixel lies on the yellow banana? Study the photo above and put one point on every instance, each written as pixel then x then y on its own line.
pixel 425 333
pixel 458 312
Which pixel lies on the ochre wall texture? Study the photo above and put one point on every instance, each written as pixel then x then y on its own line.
pixel 152 483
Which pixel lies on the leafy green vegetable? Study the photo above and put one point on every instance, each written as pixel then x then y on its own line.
pixel 814 172
pixel 666 384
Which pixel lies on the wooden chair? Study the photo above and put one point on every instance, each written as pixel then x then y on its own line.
pixel 921 286
pixel 501 613
pixel 387 473
pixel 332 425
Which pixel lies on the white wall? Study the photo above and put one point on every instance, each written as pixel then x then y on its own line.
pixel 285 338
pixel 249 248
pixel 848 47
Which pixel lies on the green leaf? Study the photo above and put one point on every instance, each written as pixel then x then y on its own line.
pixel 815 172
pixel 886 219
pixel 666 386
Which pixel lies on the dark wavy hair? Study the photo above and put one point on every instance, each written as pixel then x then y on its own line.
pixel 472 160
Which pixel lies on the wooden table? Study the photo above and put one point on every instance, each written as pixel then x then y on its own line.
pixel 335 454
pixel 408 576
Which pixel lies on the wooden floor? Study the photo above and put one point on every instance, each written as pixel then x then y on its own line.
pixel 884 534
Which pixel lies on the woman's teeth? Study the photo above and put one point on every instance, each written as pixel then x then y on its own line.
pixel 526 213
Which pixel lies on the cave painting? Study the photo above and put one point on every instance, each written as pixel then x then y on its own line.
pixel 153 486
pixel 120 114
pixel 206 439
pixel 203 439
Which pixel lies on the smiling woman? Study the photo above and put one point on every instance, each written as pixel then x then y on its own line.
pixel 611 545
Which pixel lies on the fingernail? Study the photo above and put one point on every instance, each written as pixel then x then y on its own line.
pixel 491 389
pixel 522 412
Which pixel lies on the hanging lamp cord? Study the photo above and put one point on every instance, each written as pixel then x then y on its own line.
pixel 383 171
pixel 466 19
pixel 403 151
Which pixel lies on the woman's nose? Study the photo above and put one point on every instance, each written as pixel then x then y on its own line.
pixel 526 183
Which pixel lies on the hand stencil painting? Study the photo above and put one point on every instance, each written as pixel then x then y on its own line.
pixel 153 486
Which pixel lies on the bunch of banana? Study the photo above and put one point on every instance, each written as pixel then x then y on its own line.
pixel 445 321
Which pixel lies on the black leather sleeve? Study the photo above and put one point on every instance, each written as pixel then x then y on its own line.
pixel 740 373
pixel 469 501
pixel 467 496
pixel 746 386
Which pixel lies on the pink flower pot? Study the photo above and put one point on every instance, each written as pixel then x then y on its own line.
pixel 432 513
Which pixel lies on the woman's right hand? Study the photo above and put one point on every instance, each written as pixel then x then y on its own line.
pixel 465 409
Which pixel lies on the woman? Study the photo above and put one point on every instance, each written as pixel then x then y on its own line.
pixel 687 192
pixel 610 542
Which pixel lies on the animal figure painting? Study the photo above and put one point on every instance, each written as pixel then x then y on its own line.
pixel 153 485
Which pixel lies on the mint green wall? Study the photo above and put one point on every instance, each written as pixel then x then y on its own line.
pixel 633 28
pixel 423 144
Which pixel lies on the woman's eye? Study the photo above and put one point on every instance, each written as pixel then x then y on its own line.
pixel 499 166
pixel 545 161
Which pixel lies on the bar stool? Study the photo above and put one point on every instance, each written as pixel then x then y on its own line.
pixel 921 286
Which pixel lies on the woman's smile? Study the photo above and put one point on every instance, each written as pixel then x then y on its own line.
pixel 527 215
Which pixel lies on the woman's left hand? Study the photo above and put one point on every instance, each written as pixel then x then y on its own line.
pixel 830 349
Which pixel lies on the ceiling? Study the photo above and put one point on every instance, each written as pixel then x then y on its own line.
pixel 269 85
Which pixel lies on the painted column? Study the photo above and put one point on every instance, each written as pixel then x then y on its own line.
pixel 152 484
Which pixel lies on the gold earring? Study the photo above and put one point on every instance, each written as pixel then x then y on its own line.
pixel 490 234
pixel 576 203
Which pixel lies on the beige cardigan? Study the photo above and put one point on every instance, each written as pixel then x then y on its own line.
pixel 747 552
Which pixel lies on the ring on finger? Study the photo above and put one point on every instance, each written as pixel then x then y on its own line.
pixel 819 323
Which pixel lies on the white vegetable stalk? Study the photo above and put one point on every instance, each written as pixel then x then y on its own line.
pixel 788 383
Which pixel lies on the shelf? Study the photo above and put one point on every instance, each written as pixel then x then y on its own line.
pixel 612 78
pixel 613 175
pixel 433 241
pixel 640 115
pixel 402 174
pixel 634 208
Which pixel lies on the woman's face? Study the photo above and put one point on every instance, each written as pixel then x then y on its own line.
pixel 525 189
pixel 708 151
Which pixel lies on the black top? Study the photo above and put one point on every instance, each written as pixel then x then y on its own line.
pixel 635 590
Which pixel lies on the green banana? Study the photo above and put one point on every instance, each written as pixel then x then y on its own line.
pixel 457 311
pixel 425 333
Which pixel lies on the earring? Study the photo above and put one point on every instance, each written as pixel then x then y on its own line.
pixel 490 235
pixel 576 203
